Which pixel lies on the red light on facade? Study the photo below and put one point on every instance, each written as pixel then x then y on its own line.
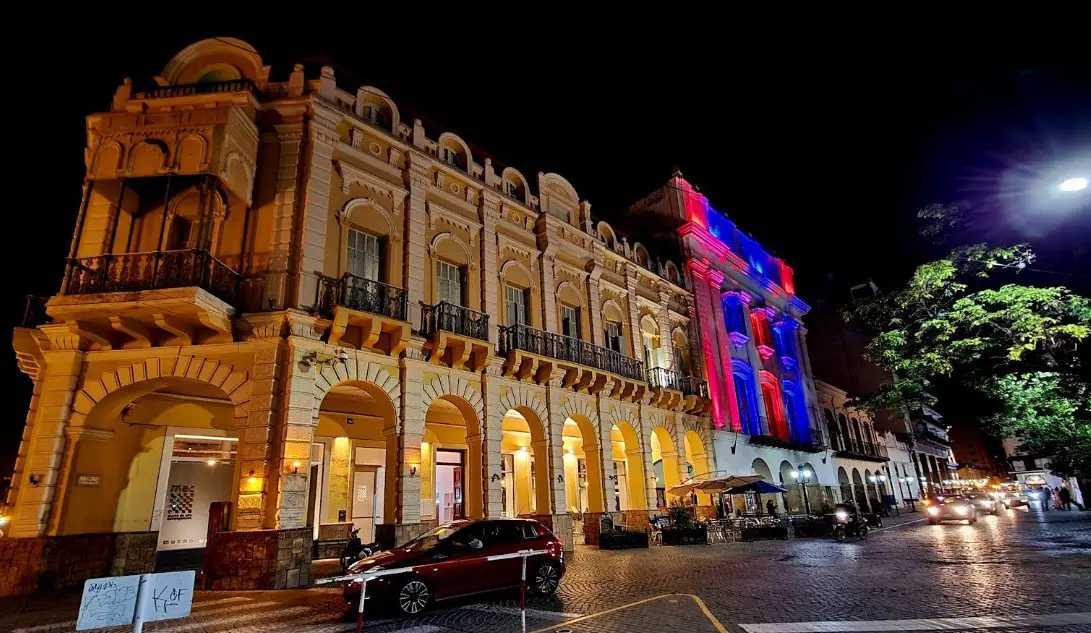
pixel 787 280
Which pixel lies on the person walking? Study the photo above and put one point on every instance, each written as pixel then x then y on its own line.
pixel 771 507
pixel 1044 494
pixel 1065 496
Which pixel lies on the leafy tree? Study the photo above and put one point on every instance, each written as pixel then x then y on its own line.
pixel 965 319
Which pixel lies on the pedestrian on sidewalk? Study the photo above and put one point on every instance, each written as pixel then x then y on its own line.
pixel 1044 494
pixel 1066 497
pixel 771 507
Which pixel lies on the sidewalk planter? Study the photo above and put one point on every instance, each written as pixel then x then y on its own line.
pixel 685 536
pixel 753 534
pixel 623 540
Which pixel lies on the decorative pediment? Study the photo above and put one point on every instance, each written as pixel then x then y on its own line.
pixel 351 175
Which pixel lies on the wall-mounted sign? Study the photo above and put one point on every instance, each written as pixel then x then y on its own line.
pixel 91 480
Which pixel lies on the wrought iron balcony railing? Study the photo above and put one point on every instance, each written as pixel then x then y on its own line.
pixel 694 386
pixel 764 432
pixel 158 270
pixel 34 313
pixel 859 449
pixel 364 295
pixel 449 317
pixel 664 378
pixel 210 87
pixel 566 348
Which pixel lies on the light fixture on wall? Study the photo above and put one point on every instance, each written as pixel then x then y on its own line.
pixel 251 479
pixel 560 478
pixel 413 470
pixel 35 480
pixel 295 467
pixel 211 462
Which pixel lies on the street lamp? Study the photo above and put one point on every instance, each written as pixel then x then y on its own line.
pixel 1074 184
pixel 803 478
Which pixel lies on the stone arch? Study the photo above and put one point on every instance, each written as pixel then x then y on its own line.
pixel 380 98
pixel 561 185
pixel 218 53
pixel 661 438
pixel 515 263
pixel 359 370
pixel 697 453
pixel 234 383
pixel 148 158
pixel 107 159
pixel 607 234
pixel 237 173
pixel 636 482
pixel 521 397
pixel 844 483
pixel 192 154
pixel 761 468
pixel 433 247
pixel 672 273
pixel 577 407
pixel 446 386
pixel 641 255
pixel 513 176
pixel 451 140
pixel 372 206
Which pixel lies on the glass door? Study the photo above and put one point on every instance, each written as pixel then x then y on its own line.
pixel 363 501
pixel 449 486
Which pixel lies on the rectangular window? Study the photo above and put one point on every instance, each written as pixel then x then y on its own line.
pixel 515 302
pixel 511 189
pixel 570 321
pixel 364 255
pixel 356 138
pixel 559 211
pixel 450 282
pixel 613 336
pixel 450 156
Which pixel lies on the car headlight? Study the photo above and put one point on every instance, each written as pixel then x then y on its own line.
pixel 961 510
pixel 933 511
pixel 841 515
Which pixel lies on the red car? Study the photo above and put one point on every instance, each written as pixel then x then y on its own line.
pixel 450 561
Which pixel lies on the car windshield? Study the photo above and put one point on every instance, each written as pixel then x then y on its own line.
pixel 433 537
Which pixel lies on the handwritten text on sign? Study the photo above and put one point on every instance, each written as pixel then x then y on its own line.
pixel 109 602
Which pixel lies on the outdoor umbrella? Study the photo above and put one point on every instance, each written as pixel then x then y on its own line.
pixel 719 484
pixel 760 487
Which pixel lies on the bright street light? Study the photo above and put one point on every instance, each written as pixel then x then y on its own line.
pixel 1074 184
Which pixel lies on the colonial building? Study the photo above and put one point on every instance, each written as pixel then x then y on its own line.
pixel 753 344
pixel 287 311
pixel 860 457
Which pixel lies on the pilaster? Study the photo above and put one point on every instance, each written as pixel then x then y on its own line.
pixel 489 287
pixel 315 205
pixel 289 137
pixel 412 432
pixel 257 500
pixel 549 290
pixel 490 443
pixel 416 248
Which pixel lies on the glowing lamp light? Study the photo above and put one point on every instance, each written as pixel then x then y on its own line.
pixel 211 462
pixel 1074 184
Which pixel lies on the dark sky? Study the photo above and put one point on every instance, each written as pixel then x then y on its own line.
pixel 821 143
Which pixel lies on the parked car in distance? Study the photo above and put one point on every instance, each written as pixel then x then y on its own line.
pixel 982 502
pixel 953 508
pixel 1013 499
pixel 450 561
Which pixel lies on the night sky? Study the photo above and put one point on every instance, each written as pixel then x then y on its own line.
pixel 822 145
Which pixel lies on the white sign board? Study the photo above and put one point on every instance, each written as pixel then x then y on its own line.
pixel 108 602
pixel 111 602
pixel 171 595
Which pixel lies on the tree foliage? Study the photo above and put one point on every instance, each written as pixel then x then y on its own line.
pixel 967 318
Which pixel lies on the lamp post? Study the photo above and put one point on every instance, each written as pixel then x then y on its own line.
pixel 803 477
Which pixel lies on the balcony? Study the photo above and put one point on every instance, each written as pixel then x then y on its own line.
pixel 533 354
pixel 790 438
pixel 459 336
pixel 211 87
pixel 852 448
pixel 135 272
pixel 671 389
pixel 139 300
pixel 925 433
pixel 366 314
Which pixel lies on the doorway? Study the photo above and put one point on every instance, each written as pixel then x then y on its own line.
pixel 364 515
pixel 450 486
pixel 200 471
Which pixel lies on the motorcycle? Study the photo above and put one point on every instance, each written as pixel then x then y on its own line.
pixel 849 522
pixel 355 550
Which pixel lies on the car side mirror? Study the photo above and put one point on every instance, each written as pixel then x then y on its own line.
pixel 476 544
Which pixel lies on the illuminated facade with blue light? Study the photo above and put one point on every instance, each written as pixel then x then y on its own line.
pixel 752 341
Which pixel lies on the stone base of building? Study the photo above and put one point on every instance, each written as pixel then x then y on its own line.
pixel 259 559
pixel 390 535
pixel 561 526
pixel 63 562
pixel 332 539
pixel 630 519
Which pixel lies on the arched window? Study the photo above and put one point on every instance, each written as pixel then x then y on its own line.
pixel 745 397
pixel 774 407
pixel 831 428
pixel 856 432
pixel 759 321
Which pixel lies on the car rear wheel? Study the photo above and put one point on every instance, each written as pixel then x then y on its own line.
pixel 414 597
pixel 545 579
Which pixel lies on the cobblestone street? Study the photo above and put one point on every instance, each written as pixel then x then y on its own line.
pixel 1020 571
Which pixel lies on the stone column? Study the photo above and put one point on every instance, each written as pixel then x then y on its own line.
pixel 807 377
pixel 724 412
pixel 412 432
pixel 549 290
pixel 24 445
pixel 46 451
pixel 754 359
pixel 715 280
pixel 259 478
pixel 296 433
pixel 490 293
pixel 416 249
pixel 289 136
pixel 598 332
pixel 315 205
pixel 645 452
pixel 663 321
pixel 490 444
pixel 636 335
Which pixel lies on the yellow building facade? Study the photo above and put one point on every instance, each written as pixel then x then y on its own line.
pixel 288 312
